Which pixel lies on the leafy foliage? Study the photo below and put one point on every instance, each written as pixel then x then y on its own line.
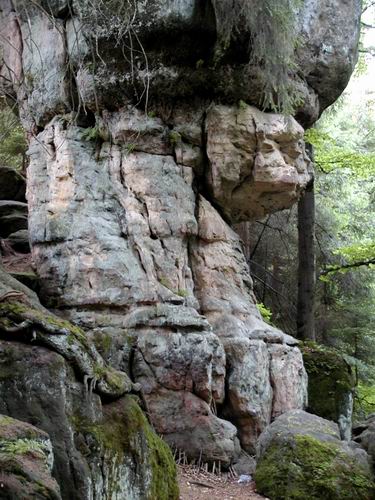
pixel 329 155
pixel 12 138
pixel 265 312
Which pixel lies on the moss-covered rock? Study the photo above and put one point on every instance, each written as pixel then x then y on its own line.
pixel 331 383
pixel 308 461
pixel 26 461
pixel 25 319
pixel 132 451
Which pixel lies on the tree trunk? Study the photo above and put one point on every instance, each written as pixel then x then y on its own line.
pixel 306 265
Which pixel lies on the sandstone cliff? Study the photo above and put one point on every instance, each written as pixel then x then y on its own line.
pixel 145 147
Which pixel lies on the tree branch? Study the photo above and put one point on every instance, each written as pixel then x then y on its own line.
pixel 359 263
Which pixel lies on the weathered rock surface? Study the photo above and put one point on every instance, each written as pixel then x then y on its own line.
pixel 103 445
pixel 180 41
pixel 13 184
pixel 134 165
pixel 26 461
pixel 301 456
pixel 331 386
pixel 113 232
pixel 257 161
pixel 364 435
pixel 265 373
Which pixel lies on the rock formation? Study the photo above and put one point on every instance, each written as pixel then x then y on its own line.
pixel 26 461
pixel 144 149
pixel 364 435
pixel 301 456
pixel 331 386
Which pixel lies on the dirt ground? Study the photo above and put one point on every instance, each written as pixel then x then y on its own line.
pixel 196 485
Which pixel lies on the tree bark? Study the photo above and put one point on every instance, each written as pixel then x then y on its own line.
pixel 306 265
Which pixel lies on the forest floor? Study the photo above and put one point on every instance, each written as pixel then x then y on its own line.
pixel 199 485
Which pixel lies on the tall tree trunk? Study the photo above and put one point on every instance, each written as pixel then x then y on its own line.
pixel 306 265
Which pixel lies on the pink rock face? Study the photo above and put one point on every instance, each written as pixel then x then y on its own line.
pixel 128 203
pixel 125 247
pixel 257 161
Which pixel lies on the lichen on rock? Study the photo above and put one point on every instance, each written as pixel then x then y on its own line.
pixel 331 385
pixel 144 147
pixel 26 461
pixel 126 439
pixel 301 456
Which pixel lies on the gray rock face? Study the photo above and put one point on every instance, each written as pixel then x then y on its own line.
pixel 26 461
pixel 322 43
pixel 121 228
pixel 128 158
pixel 257 161
pixel 85 433
pixel 103 446
pixel 265 373
pixel 174 54
pixel 364 435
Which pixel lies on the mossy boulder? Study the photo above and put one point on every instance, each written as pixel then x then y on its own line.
pixel 26 461
pixel 13 184
pixel 300 456
pixel 331 384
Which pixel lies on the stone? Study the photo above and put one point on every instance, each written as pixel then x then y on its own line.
pixel 328 51
pixel 249 390
pixel 13 184
pixel 175 56
pixel 188 424
pixel 126 167
pixel 331 386
pixel 26 461
pixel 301 456
pixel 246 465
pixel 19 241
pixel 44 86
pixel 84 432
pixel 265 373
pixel 157 273
pixel 104 447
pixel 286 367
pixel 364 435
pixel 13 217
pixel 185 63
pixel 142 254
pixel 257 161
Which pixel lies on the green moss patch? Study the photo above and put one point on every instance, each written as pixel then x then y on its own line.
pixel 331 378
pixel 13 311
pixel 305 468
pixel 125 432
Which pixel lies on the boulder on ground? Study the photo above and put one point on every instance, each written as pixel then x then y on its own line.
pixel 331 385
pixel 13 217
pixel 13 184
pixel 26 461
pixel 301 456
pixel 364 435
